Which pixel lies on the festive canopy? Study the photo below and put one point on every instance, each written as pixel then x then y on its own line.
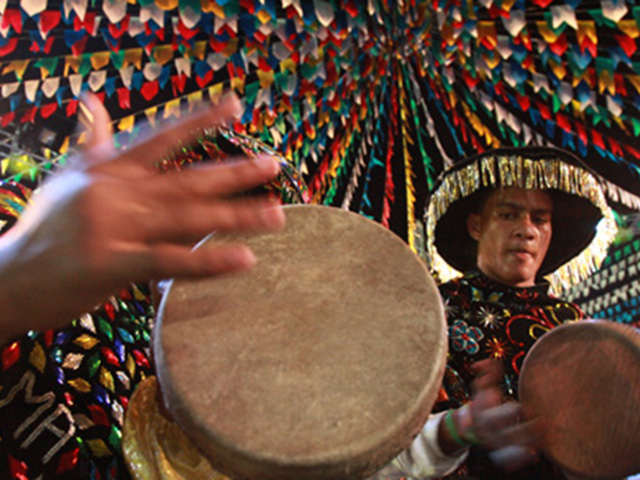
pixel 369 99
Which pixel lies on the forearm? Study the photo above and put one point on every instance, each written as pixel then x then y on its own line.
pixel 425 458
pixel 33 292
pixel 454 431
pixel 14 304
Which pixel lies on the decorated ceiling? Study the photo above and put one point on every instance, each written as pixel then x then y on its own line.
pixel 368 99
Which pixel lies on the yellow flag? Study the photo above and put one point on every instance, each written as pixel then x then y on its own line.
pixel 133 56
pixel 547 34
pixel 215 92
pixel 172 109
pixel 100 60
pixel 17 66
pixel 265 78
pixel 71 62
pixel 126 123
pixel 151 115
pixel 237 84
pixel 194 100
pixel 163 53
pixel 167 4
pixel 629 28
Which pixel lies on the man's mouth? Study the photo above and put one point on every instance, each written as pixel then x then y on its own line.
pixel 522 253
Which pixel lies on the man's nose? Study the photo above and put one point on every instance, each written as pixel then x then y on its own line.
pixel 526 228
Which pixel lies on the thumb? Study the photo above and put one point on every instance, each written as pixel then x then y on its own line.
pixel 95 118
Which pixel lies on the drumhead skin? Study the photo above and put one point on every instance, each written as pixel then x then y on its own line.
pixel 582 381
pixel 322 362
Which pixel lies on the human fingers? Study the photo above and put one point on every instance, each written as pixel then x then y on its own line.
pixel 189 222
pixel 491 423
pixel 96 122
pixel 161 142
pixel 488 373
pixel 489 416
pixel 96 119
pixel 171 260
pixel 513 457
pixel 521 433
pixel 220 180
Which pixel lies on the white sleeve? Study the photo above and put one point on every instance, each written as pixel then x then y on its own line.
pixel 424 459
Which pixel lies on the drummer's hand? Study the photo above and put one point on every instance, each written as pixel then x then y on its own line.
pixel 495 423
pixel 112 219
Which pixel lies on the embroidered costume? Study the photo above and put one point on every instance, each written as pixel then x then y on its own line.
pixel 489 320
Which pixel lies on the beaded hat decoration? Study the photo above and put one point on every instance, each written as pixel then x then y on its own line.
pixel 582 222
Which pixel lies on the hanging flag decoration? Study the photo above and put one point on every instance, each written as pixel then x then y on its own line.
pixel 369 100
pixel 613 292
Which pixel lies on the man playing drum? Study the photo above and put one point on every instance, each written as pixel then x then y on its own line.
pixel 507 218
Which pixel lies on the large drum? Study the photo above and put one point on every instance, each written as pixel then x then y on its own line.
pixel 581 382
pixel 322 362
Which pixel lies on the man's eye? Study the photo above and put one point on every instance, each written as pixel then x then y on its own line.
pixel 507 215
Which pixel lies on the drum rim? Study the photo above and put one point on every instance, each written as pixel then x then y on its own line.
pixel 334 457
pixel 629 337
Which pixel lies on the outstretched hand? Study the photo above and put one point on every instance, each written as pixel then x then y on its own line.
pixel 112 218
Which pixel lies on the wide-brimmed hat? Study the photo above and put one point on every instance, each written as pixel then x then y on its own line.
pixel 582 222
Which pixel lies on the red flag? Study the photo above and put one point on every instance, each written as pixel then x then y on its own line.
pixel 29 115
pixel 124 98
pixel 202 82
pixel 178 83
pixel 12 18
pixel 597 139
pixel 9 47
pixel 628 44
pixel 49 19
pixel 72 107
pixel 78 48
pixel 7 118
pixel 47 110
pixel 149 90
pixel 117 30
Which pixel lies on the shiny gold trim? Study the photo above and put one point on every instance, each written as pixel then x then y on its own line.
pixel 155 448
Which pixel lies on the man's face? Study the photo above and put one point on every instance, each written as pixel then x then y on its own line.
pixel 513 232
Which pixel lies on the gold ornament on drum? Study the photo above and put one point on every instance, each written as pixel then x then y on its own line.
pixel 154 447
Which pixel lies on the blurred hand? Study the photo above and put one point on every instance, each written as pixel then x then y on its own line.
pixel 496 423
pixel 112 218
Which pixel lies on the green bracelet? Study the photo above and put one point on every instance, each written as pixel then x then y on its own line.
pixel 453 431
pixel 466 430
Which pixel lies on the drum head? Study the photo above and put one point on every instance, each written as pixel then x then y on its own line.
pixel 582 381
pixel 322 362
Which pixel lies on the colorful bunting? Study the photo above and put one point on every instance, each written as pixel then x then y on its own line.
pixel 370 100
